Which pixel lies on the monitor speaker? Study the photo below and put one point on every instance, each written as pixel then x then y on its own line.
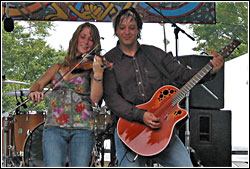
pixel 211 95
pixel 210 136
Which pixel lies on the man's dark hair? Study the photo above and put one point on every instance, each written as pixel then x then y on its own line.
pixel 128 12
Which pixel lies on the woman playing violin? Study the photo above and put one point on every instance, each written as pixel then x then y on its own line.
pixel 68 128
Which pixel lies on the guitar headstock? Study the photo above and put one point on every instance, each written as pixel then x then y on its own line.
pixel 225 52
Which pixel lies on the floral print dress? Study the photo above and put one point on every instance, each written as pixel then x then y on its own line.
pixel 69 104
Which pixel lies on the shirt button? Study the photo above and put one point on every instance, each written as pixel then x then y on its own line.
pixel 142 94
pixel 136 70
pixel 139 83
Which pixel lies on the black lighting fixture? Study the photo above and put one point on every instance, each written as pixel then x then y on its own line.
pixel 8 21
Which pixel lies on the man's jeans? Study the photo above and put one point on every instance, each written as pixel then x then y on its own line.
pixel 175 155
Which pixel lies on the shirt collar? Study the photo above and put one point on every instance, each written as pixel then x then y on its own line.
pixel 120 54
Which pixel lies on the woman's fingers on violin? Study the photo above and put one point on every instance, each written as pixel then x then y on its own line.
pixel 97 59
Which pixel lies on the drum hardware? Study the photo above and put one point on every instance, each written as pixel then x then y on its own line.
pixel 96 108
pixel 9 157
pixel 11 148
pixel 98 143
pixel 20 131
pixel 10 162
pixel 5 80
pixel 102 130
pixel 16 93
pixel 96 153
pixel 29 132
pixel 5 129
pixel 15 82
pixel 20 154
pixel 21 92
pixel 102 120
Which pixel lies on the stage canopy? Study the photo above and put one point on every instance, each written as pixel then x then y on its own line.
pixel 177 12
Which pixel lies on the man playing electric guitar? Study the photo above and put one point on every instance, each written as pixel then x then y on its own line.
pixel 133 81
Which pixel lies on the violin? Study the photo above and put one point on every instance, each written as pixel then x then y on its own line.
pixel 88 64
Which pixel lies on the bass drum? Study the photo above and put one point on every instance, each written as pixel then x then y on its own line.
pixel 33 152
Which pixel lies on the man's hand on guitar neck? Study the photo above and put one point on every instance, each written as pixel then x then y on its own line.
pixel 217 62
pixel 151 121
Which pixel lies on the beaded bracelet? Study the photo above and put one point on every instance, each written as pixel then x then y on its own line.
pixel 98 80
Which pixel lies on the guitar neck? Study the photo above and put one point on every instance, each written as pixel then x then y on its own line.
pixel 196 78
pixel 181 94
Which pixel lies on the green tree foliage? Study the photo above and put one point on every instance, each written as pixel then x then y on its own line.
pixel 26 57
pixel 231 23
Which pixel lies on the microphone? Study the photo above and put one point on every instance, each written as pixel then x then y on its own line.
pixel 8 24
pixel 8 21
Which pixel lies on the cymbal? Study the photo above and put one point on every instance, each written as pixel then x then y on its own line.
pixel 21 92
pixel 16 82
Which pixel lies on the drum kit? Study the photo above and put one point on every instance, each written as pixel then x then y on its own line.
pixel 19 133
pixel 103 130
pixel 22 134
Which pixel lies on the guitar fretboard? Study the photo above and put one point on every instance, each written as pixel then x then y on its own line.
pixel 181 94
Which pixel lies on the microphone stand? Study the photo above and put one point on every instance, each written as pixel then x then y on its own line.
pixel 176 30
pixel 187 131
pixel 165 41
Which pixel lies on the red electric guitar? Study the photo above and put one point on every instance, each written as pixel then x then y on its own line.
pixel 165 105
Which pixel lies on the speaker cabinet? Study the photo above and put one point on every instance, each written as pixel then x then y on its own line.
pixel 201 97
pixel 210 136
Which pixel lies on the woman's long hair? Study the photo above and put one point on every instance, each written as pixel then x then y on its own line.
pixel 72 50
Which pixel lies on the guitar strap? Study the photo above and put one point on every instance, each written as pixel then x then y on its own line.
pixel 157 64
